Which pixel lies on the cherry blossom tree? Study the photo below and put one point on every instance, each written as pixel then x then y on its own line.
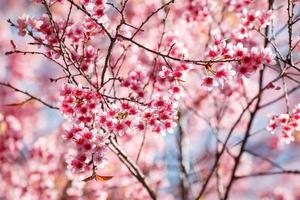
pixel 132 99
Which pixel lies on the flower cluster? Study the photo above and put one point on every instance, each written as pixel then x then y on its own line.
pixel 246 62
pixel 136 82
pixel 245 59
pixel 287 124
pixel 197 10
pixel 74 33
pixel 109 102
pixel 255 19
pixel 219 75
pixel 95 7
pixel 94 118
pixel 160 111
pixel 81 106
pixel 90 146
pixel 171 77
pixel 128 118
pixel 252 20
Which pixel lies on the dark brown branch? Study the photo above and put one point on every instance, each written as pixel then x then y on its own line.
pixel 279 98
pixel 29 95
pixel 183 172
pixel 133 168
pixel 229 135
pixel 166 56
pixel 141 148
pixel 150 16
pixel 261 174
